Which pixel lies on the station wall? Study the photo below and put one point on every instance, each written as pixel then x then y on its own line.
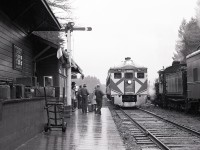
pixel 11 34
pixel 20 121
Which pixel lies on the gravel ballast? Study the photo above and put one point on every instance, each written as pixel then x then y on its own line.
pixel 188 120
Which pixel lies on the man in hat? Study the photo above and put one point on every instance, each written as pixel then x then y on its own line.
pixel 84 95
pixel 99 97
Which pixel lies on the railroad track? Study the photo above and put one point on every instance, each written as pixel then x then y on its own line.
pixel 154 132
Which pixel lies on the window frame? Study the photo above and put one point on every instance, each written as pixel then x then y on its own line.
pixel 17 51
pixel 47 81
pixel 118 74
pixel 140 73
pixel 125 75
pixel 195 74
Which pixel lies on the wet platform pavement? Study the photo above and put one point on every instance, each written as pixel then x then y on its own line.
pixel 84 132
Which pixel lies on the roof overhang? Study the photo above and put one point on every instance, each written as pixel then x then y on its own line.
pixel 30 15
pixel 48 37
pixel 75 67
pixel 193 54
pixel 51 39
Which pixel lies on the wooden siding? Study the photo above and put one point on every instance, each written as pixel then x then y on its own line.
pixel 22 119
pixel 10 34
pixel 48 67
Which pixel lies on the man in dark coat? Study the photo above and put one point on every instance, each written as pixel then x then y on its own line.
pixel 99 97
pixel 84 95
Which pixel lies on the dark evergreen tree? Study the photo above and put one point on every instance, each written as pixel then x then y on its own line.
pixel 188 37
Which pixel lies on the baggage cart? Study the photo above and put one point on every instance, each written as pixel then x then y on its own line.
pixel 55 110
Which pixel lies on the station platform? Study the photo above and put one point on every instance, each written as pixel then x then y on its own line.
pixel 88 131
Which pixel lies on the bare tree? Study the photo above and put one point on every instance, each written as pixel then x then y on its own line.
pixel 62 10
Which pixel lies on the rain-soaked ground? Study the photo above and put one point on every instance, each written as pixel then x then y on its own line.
pixel 84 132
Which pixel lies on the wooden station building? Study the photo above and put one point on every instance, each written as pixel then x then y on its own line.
pixel 28 61
pixel 26 56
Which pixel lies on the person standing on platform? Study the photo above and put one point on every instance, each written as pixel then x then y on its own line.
pixel 73 96
pixel 99 97
pixel 79 97
pixel 84 94
pixel 94 103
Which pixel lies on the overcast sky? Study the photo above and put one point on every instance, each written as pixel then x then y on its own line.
pixel 145 30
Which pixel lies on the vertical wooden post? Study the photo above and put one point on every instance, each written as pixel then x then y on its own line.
pixel 64 95
pixel 1 109
pixel 69 68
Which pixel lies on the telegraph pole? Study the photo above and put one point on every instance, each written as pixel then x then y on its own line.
pixel 68 29
pixel 68 86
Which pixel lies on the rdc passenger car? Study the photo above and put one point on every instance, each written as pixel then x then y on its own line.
pixel 126 84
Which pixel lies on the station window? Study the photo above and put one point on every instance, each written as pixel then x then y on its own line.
pixel 195 74
pixel 128 75
pixel 48 80
pixel 17 58
pixel 117 75
pixel 140 75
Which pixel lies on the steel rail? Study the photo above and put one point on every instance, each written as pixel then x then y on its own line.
pixel 148 133
pixel 173 123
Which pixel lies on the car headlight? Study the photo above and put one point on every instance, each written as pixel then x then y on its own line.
pixel 129 81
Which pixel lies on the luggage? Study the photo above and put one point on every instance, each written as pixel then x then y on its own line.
pixel 50 91
pixel 75 104
pixel 19 90
pixel 13 92
pixel 90 107
pixel 4 92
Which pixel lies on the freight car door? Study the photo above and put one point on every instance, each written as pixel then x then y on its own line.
pixel 129 83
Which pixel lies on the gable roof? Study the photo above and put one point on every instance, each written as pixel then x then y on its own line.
pixel 30 15
pixel 51 38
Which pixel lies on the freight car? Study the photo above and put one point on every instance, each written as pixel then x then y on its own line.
pixel 126 84
pixel 178 86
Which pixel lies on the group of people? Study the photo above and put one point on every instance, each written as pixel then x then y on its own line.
pixel 82 96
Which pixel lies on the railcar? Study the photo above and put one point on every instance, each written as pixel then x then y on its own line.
pixel 126 84
pixel 193 80
pixel 178 86
pixel 171 86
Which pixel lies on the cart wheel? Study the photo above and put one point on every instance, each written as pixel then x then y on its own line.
pixel 46 128
pixel 63 129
